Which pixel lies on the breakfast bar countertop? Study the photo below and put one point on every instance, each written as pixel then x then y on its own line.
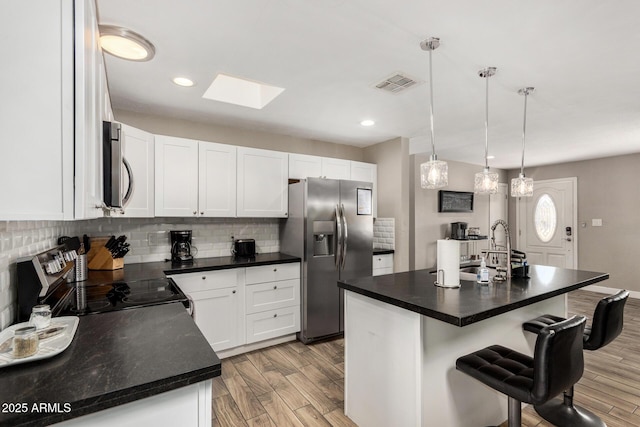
pixel 472 302
pixel 114 358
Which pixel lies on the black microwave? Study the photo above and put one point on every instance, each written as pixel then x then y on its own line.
pixel 114 166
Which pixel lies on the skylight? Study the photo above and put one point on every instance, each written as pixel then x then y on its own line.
pixel 235 90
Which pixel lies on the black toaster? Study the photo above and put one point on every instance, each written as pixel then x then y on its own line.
pixel 244 248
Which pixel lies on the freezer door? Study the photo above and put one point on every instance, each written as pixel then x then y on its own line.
pixel 321 296
pixel 357 250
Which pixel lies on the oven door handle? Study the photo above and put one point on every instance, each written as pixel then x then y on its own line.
pixel 192 306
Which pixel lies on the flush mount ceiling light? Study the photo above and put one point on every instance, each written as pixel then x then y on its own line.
pixel 367 123
pixel 433 173
pixel 486 182
pixel 521 186
pixel 239 91
pixel 125 44
pixel 183 81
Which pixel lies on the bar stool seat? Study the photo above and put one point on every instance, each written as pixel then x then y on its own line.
pixel 557 364
pixel 606 326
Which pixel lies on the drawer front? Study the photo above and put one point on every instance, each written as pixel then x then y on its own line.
pixel 383 261
pixel 273 323
pixel 207 280
pixel 272 273
pixel 382 271
pixel 269 296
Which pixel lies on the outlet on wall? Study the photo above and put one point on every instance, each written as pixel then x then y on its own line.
pixel 596 222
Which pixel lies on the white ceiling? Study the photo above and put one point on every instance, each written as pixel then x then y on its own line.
pixel 582 56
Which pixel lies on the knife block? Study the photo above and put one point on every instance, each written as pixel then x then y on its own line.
pixel 100 257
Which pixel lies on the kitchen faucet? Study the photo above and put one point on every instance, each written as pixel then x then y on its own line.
pixel 494 249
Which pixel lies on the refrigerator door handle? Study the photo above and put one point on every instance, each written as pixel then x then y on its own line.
pixel 345 238
pixel 338 255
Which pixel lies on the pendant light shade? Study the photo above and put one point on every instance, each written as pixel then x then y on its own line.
pixel 434 173
pixel 486 182
pixel 522 186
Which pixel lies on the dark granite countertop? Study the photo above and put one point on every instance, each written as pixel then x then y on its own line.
pixel 415 291
pixel 383 251
pixel 115 358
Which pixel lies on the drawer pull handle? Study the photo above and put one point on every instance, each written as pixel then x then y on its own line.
pixel 275 287
pixel 202 213
pixel 195 212
pixel 204 277
pixel 379 259
pixel 275 269
pixel 233 292
pixel 275 315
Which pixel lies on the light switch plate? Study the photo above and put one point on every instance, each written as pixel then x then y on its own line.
pixel 596 222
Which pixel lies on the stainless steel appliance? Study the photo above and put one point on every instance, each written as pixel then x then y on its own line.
pixel 181 247
pixel 330 227
pixel 244 248
pixel 113 164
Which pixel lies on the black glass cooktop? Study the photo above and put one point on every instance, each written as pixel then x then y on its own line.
pixel 91 299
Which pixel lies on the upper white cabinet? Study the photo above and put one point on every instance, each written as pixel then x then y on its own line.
pixel 176 176
pixel 367 172
pixel 336 168
pixel 304 166
pixel 217 180
pixel 263 178
pixel 40 119
pixel 194 178
pixel 138 149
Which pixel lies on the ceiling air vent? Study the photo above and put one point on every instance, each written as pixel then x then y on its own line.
pixel 397 82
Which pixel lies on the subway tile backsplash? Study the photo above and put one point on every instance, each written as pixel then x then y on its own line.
pixel 148 237
pixel 384 233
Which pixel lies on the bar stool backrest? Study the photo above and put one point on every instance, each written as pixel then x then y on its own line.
pixel 558 358
pixel 607 321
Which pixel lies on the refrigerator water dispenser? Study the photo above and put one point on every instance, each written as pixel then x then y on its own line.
pixel 323 238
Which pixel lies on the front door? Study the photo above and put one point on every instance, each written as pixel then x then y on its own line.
pixel 547 223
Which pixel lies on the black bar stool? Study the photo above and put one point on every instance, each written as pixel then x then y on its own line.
pixel 556 365
pixel 606 326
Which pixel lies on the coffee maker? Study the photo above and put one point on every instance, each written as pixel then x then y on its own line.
pixel 459 230
pixel 181 247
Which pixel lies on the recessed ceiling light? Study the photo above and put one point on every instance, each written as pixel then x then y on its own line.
pixel 183 81
pixel 367 123
pixel 125 44
pixel 239 91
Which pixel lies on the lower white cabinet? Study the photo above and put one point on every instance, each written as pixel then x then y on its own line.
pixel 382 264
pixel 238 306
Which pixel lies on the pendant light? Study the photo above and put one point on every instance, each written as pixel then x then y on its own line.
pixel 486 182
pixel 521 186
pixel 434 173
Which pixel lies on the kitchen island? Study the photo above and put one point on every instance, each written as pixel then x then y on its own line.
pixel 403 336
pixel 141 366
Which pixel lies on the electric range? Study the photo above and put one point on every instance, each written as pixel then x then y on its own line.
pixel 92 299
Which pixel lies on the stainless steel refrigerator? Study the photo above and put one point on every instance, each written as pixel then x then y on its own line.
pixel 330 227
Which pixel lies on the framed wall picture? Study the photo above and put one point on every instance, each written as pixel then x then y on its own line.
pixel 455 201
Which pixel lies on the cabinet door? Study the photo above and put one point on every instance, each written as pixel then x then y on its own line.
pixel 262 183
pixel 336 168
pixel 88 111
pixel 367 172
pixel 176 176
pixel 219 316
pixel 217 180
pixel 138 147
pixel 37 119
pixel 304 166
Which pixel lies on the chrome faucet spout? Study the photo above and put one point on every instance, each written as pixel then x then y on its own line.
pixel 507 236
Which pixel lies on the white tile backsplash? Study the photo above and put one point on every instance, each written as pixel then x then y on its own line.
pixel 384 233
pixel 211 236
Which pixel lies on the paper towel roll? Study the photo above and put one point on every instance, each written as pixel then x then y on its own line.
pixel 449 263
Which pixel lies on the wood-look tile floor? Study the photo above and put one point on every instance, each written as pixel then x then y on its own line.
pixel 293 384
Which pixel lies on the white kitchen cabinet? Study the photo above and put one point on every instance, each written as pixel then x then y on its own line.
pixel 218 305
pixel 89 106
pixel 176 176
pixel 217 180
pixel 368 172
pixel 273 323
pixel 138 149
pixel 304 166
pixel 336 168
pixel 263 177
pixel 44 131
pixel 382 264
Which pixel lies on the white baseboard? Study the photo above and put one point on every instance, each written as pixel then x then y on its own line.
pixel 223 354
pixel 610 291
